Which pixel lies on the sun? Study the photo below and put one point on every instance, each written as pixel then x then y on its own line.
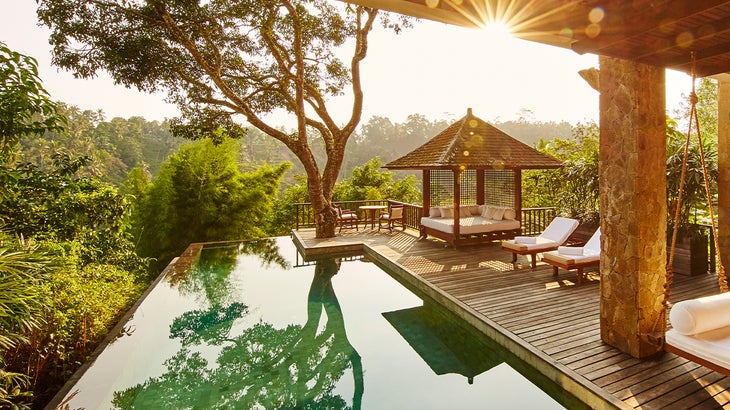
pixel 496 29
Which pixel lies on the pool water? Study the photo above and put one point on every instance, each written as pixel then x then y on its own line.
pixel 251 326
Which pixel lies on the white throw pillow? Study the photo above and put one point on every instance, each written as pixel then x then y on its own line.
pixel 464 211
pixel 488 212
pixel 446 212
pixel 509 213
pixel 434 212
pixel 498 213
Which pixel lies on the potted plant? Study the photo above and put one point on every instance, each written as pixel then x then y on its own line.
pixel 691 250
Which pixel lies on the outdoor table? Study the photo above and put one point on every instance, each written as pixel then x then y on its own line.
pixel 369 211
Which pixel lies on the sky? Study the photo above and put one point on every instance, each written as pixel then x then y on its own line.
pixel 433 69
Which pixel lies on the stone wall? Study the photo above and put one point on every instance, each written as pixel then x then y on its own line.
pixel 633 204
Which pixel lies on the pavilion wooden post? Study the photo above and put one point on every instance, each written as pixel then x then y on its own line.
pixel 723 166
pixel 426 192
pixel 457 202
pixel 518 194
pixel 633 205
pixel 480 186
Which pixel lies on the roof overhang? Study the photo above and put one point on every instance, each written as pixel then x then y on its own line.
pixel 663 33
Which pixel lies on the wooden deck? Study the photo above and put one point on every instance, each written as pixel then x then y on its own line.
pixel 551 324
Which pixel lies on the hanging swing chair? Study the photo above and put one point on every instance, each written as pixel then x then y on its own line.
pixel 700 327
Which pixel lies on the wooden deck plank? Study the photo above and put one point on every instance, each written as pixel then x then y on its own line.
pixel 554 318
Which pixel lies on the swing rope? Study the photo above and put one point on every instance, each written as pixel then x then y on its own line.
pixel 693 121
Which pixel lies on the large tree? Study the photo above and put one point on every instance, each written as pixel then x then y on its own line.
pixel 220 58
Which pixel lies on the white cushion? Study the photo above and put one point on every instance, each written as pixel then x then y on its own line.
pixel 446 212
pixel 559 229
pixel 488 212
pixel 570 250
pixel 434 212
pixel 509 213
pixel 690 317
pixel 525 239
pixel 498 213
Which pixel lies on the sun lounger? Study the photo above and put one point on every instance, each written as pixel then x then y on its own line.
pixel 550 239
pixel 701 331
pixel 576 257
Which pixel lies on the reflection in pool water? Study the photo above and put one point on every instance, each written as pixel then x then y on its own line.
pixel 243 328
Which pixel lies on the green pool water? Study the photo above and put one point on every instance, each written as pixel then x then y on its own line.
pixel 251 326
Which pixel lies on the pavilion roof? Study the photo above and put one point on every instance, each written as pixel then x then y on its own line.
pixel 472 143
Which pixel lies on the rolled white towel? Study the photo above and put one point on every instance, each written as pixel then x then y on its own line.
pixel 690 317
pixel 570 250
pixel 525 239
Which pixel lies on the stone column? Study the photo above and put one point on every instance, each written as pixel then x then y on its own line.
pixel 723 166
pixel 633 204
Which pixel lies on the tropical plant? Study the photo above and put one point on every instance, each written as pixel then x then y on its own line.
pixel 25 107
pixel 200 196
pixel 23 269
pixel 572 189
pixel 694 206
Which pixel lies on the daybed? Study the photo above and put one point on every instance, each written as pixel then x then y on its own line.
pixel 576 257
pixel 701 331
pixel 477 224
pixel 556 233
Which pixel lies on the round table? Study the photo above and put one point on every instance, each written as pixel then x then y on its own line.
pixel 369 211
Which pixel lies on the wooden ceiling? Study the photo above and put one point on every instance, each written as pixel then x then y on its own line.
pixel 664 33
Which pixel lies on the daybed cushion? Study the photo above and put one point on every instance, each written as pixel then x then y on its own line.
pixel 690 317
pixel 470 225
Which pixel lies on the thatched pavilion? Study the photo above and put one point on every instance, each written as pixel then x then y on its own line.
pixel 472 162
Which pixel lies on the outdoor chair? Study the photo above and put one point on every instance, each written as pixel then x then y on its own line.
pixel 346 218
pixel 576 257
pixel 394 215
pixel 556 233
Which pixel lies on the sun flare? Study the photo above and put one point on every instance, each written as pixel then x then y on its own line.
pixel 497 29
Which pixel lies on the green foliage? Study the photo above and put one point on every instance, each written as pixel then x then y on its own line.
pixel 200 196
pixel 25 107
pixel 694 195
pixel 706 92
pixel 573 189
pixel 368 182
pixel 81 303
pixel 23 269
pixel 113 147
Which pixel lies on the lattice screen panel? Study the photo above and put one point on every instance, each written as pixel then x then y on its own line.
pixel 442 187
pixel 499 188
pixel 468 187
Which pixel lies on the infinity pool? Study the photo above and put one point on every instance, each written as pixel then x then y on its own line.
pixel 250 326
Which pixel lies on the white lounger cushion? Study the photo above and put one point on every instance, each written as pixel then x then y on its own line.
pixel 554 235
pixel 690 317
pixel 569 255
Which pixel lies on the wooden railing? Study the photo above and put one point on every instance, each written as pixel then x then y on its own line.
pixel 534 220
